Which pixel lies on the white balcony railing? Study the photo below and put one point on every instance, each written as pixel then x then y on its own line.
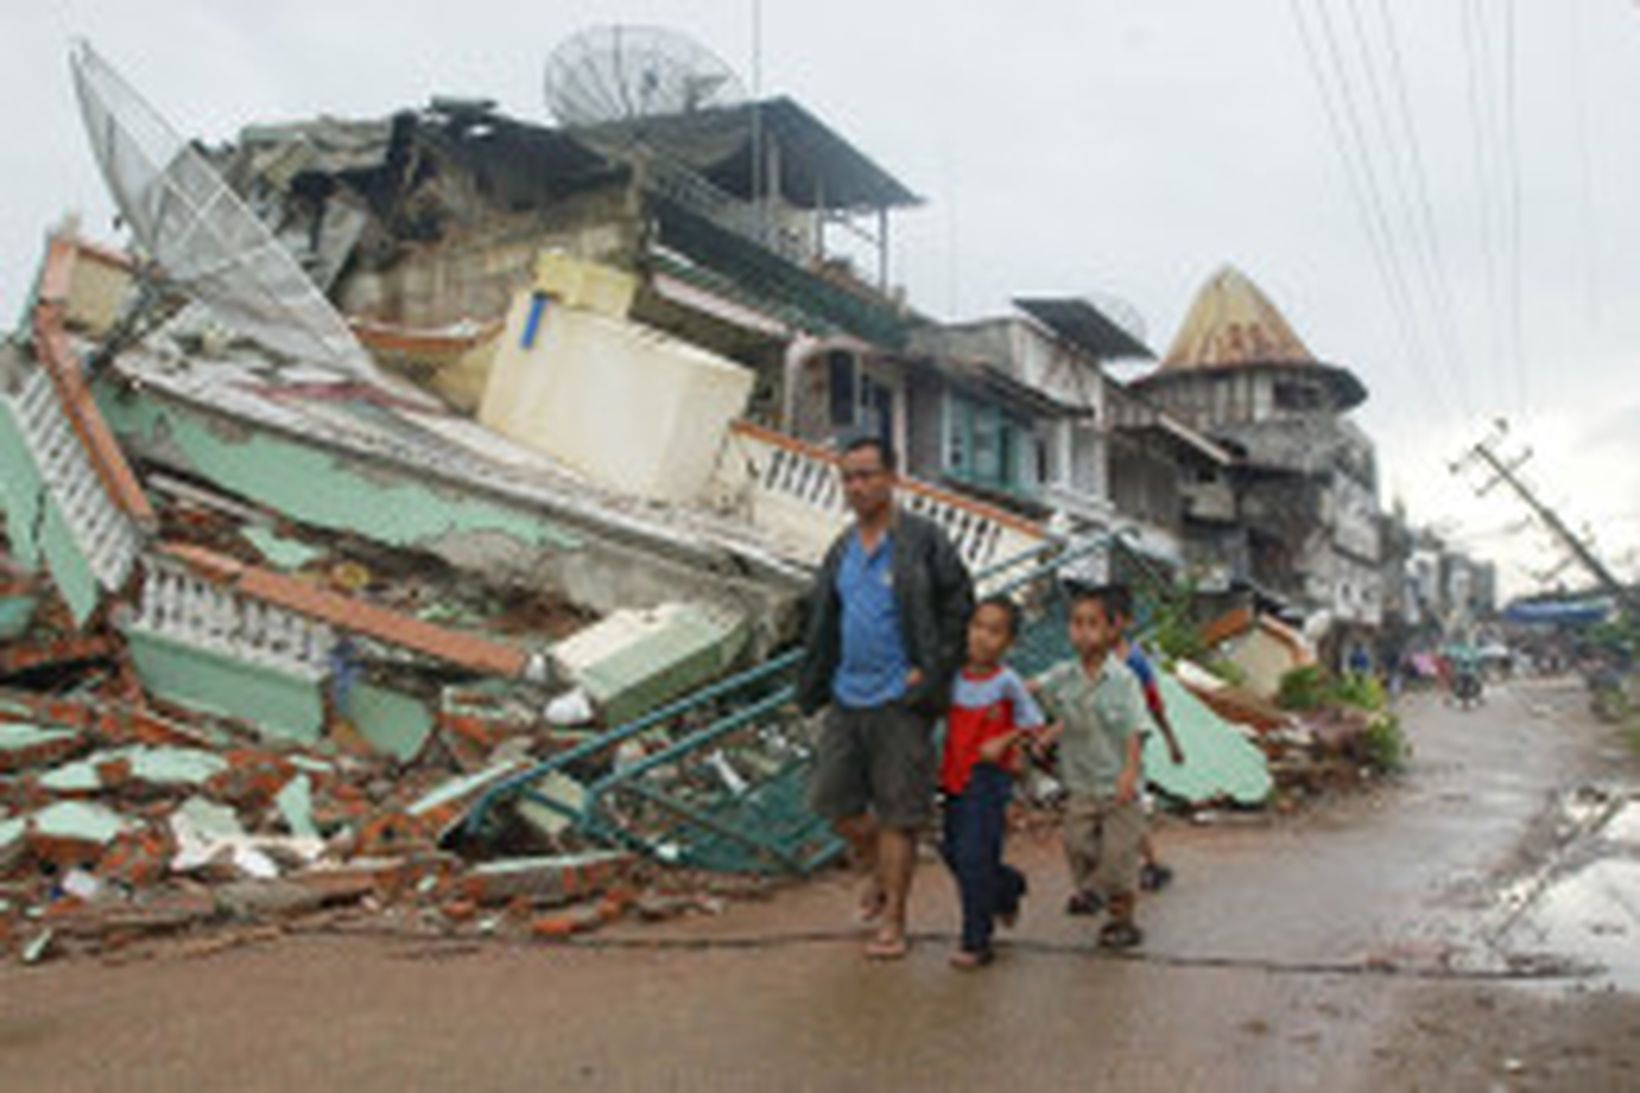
pixel 790 491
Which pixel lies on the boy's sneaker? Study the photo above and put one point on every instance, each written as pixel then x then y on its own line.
pixel 1121 933
pixel 1084 903
pixel 1154 876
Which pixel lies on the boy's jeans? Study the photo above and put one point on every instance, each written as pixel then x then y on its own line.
pixel 975 822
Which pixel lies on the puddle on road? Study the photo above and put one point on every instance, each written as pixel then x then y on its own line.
pixel 1593 914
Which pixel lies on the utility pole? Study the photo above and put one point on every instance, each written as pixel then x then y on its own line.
pixel 1506 472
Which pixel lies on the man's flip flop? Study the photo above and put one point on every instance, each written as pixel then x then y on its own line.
pixel 891 948
pixel 872 903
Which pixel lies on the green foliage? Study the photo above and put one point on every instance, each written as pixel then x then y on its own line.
pixel 1312 687
pixel 1303 689
pixel 1172 627
pixel 1386 747
pixel 1227 670
pixel 1363 692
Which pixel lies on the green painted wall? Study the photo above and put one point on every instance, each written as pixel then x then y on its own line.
pixel 318 486
pixel 277 703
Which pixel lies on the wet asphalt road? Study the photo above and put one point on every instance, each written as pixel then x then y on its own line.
pixel 1351 947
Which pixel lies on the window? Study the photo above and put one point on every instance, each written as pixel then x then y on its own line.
pixel 841 368
pixel 1297 396
pixel 987 448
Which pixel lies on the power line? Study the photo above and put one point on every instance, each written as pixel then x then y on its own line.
pixel 1512 133
pixel 1445 300
pixel 1585 161
pixel 1401 191
pixel 1473 27
pixel 1363 189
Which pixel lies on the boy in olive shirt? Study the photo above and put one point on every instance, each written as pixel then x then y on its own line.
pixel 1099 716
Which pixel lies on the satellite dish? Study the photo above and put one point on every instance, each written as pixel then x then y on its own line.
pixel 609 75
pixel 200 233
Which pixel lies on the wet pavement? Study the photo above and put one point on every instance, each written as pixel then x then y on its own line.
pixel 1385 940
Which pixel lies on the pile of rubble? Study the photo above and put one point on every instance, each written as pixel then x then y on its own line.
pixel 122 817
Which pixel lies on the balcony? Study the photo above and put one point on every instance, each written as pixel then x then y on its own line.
pixel 790 490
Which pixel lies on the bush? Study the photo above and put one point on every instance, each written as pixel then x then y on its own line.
pixel 1363 692
pixel 1386 747
pixel 1303 689
pixel 1227 670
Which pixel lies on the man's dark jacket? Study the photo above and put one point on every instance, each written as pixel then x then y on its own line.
pixel 935 595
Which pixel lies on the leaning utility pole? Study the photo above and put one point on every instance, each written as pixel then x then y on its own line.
pixel 1505 472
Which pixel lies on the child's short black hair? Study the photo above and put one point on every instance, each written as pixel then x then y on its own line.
pixel 1114 599
pixel 1008 607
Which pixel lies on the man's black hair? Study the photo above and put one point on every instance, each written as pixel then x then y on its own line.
pixel 884 449
pixel 1009 608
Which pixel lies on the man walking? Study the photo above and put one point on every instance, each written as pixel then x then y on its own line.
pixel 885 635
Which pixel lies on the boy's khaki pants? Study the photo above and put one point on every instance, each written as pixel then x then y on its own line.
pixel 1102 845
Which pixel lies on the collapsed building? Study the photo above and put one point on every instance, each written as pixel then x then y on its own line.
pixel 426 485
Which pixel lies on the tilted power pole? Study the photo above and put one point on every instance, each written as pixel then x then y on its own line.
pixel 1506 472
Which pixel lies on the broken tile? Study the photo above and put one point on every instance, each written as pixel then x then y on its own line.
pixel 295 804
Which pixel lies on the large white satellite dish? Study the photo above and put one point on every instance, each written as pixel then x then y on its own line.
pixel 204 239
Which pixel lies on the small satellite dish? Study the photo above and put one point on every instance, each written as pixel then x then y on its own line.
pixel 201 234
pixel 609 75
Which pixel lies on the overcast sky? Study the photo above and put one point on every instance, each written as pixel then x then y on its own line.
pixel 1128 148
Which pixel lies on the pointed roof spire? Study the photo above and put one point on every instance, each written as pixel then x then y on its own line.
pixel 1232 323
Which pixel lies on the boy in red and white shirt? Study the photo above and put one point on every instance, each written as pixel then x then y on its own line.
pixel 990 709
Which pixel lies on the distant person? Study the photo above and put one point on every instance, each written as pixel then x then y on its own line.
pixel 990 710
pixel 1360 661
pixel 1098 712
pixel 885 635
pixel 1153 874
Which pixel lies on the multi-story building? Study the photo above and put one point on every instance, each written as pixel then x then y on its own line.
pixel 1305 479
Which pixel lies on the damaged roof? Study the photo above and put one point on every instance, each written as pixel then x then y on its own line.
pixel 819 169
pixel 1085 326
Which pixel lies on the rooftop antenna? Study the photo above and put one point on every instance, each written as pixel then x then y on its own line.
pixel 204 239
pixel 605 79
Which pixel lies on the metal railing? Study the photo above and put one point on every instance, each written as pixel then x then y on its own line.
pixel 727 790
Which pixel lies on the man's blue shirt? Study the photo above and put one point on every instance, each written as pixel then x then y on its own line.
pixel 873 666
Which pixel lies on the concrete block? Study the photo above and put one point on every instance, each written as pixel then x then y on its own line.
pixel 74 832
pixel 633 661
pixel 26 745
pixel 546 881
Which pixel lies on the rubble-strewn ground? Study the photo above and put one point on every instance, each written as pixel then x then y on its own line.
pixel 1367 944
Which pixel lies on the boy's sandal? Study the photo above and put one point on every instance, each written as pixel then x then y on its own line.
pixel 970 959
pixel 1120 934
pixel 1154 877
pixel 1084 903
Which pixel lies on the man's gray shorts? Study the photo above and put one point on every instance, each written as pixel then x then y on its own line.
pixel 879 760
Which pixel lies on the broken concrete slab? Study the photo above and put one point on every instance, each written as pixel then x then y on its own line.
pixel 24 745
pixel 16 613
pixel 69 832
pixel 546 881
pixel 267 898
pixel 281 703
pixel 628 406
pixel 13 842
pixel 547 820
pixel 280 552
pixel 156 766
pixel 634 661
pixel 295 804
pixel 394 723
